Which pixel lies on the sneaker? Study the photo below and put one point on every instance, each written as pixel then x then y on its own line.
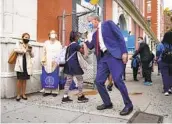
pixel 166 94
pixel 147 83
pixel 66 99
pixel 170 91
pixel 82 99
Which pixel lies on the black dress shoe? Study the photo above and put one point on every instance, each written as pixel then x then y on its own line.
pixel 46 94
pixel 109 87
pixel 18 99
pixel 126 111
pixel 54 95
pixel 103 106
pixel 25 98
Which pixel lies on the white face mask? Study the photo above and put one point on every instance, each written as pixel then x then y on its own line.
pixel 140 41
pixel 53 36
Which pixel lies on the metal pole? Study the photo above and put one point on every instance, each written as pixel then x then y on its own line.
pixel 63 27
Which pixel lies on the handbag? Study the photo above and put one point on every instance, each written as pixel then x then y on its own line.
pixel 12 57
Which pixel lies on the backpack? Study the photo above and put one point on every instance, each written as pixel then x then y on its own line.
pixel 64 57
pixel 135 62
pixel 167 54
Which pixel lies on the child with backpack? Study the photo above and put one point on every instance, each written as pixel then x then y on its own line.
pixel 135 66
pixel 72 68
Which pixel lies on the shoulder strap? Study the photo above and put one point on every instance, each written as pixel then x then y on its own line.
pixel 67 57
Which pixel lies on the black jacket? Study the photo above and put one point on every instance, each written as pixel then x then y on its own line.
pixel 144 51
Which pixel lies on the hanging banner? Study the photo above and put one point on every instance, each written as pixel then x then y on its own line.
pixel 94 2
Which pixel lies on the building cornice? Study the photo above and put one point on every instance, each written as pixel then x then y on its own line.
pixel 132 10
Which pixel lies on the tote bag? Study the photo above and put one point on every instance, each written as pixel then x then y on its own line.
pixel 82 62
pixel 50 80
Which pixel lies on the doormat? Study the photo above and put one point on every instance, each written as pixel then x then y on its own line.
pixel 91 92
pixel 142 117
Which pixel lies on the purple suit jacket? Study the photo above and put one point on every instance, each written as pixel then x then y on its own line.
pixel 113 40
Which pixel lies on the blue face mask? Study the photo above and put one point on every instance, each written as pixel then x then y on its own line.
pixel 90 26
pixel 79 41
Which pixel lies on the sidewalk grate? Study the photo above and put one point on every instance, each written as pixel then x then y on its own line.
pixel 142 117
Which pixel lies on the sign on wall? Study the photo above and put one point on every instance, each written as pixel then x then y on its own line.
pixel 130 41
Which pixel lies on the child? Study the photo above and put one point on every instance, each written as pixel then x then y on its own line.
pixel 135 66
pixel 72 68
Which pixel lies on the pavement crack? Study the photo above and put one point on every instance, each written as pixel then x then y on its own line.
pixel 76 117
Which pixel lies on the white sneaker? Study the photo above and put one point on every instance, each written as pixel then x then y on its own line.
pixel 166 94
pixel 170 91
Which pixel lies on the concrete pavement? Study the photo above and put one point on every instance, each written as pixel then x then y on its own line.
pixel 39 109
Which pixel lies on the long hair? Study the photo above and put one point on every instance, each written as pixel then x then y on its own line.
pixel 73 36
pixel 167 37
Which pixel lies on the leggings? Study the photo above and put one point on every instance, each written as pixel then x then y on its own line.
pixel 69 82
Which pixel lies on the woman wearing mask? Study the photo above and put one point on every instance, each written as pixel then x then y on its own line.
pixel 165 63
pixel 51 50
pixel 23 65
pixel 72 68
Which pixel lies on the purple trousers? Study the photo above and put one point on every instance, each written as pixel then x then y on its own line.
pixel 106 65
pixel 166 78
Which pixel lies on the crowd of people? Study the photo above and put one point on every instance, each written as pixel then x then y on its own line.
pixel 112 57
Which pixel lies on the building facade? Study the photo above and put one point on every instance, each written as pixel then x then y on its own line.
pixel 155 17
pixel 127 24
pixel 38 17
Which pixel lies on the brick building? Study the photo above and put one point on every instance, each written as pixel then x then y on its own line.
pixel 154 16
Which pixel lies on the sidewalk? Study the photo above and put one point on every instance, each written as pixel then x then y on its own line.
pixel 39 109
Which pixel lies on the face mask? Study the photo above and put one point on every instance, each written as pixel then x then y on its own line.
pixel 25 41
pixel 140 41
pixel 79 41
pixel 53 36
pixel 90 26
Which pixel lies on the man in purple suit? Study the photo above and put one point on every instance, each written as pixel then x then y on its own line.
pixel 111 53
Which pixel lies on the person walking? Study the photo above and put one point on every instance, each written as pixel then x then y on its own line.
pixel 164 53
pixel 111 53
pixel 72 69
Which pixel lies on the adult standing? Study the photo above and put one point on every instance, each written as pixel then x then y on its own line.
pixel 111 56
pixel 51 51
pixel 146 57
pixel 23 65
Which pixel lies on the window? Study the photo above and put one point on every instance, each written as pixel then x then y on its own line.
pixel 149 7
pixel 149 21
